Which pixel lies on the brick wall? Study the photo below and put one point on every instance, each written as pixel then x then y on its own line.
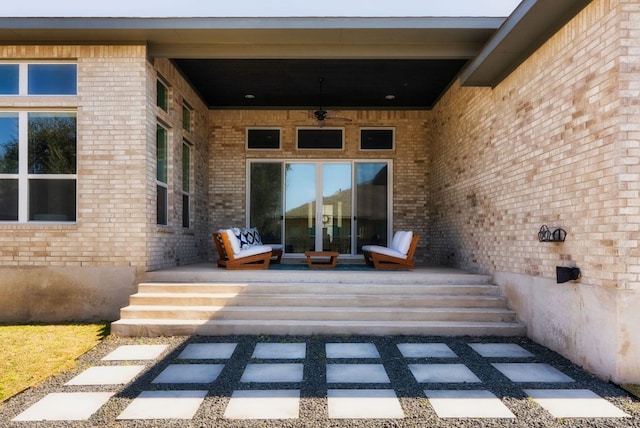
pixel 552 144
pixel 555 143
pixel 86 270
pixel 110 228
pixel 227 169
pixel 173 244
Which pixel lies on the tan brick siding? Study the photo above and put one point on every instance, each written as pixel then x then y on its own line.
pixel 228 160
pixel 555 143
pixel 110 228
pixel 173 244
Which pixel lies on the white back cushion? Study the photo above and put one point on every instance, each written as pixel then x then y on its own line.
pixel 235 243
pixel 402 241
pixel 396 240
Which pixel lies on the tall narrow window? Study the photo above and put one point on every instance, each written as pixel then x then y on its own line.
pixel 52 152
pixel 186 184
pixel 9 149
pixel 162 95
pixel 186 117
pixel 162 208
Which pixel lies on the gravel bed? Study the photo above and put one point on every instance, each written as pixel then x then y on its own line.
pixel 313 389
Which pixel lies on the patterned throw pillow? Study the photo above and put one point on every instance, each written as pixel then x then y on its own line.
pixel 247 237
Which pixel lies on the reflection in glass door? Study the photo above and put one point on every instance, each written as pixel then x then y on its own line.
pixel 314 206
pixel 336 207
pixel 265 201
pixel 372 209
pixel 300 207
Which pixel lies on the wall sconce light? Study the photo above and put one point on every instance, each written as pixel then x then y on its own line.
pixel 546 235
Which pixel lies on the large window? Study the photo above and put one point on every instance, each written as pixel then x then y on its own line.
pixel 38 166
pixel 162 161
pixel 38 145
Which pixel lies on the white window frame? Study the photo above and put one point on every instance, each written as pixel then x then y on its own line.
pixel 321 161
pixel 23 78
pixel 23 176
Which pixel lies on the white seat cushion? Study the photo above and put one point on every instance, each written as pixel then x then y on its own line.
pixel 384 250
pixel 253 250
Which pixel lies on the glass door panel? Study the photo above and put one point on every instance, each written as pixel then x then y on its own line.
pixel 266 200
pixel 371 202
pixel 336 207
pixel 300 207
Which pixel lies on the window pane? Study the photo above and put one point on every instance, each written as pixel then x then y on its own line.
pixel 186 167
pixel 376 139
pixel 319 138
pixel 162 97
pixel 53 79
pixel 52 200
pixel 9 75
pixel 52 143
pixel 263 138
pixel 8 200
pixel 161 146
pixel 161 205
pixel 185 211
pixel 266 201
pixel 8 143
pixel 186 118
pixel 372 189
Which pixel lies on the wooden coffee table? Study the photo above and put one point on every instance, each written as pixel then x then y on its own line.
pixel 313 262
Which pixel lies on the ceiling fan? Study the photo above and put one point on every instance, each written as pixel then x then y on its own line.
pixel 321 114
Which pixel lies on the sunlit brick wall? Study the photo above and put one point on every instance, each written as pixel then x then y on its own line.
pixel 111 125
pixel 555 143
pixel 174 244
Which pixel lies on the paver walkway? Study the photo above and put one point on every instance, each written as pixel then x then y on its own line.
pixel 230 380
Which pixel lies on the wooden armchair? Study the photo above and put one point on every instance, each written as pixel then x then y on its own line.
pixel 256 257
pixel 399 255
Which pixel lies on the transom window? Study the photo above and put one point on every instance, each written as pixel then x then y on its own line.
pixel 263 138
pixel 376 138
pixel 38 79
pixel 320 138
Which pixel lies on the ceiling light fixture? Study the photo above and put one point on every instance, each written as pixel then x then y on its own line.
pixel 249 96
pixel 390 97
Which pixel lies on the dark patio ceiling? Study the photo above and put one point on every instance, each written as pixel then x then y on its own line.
pixel 346 84
pixel 279 61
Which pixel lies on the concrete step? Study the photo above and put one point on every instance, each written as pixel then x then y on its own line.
pixel 317 313
pixel 305 300
pixel 318 288
pixel 163 327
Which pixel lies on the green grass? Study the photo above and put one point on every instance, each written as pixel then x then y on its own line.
pixel 31 353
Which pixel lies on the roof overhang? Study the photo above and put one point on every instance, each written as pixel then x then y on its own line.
pixel 530 25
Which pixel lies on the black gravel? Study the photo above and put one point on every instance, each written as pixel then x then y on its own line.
pixel 313 389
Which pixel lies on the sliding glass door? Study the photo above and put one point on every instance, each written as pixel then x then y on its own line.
pixel 319 205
